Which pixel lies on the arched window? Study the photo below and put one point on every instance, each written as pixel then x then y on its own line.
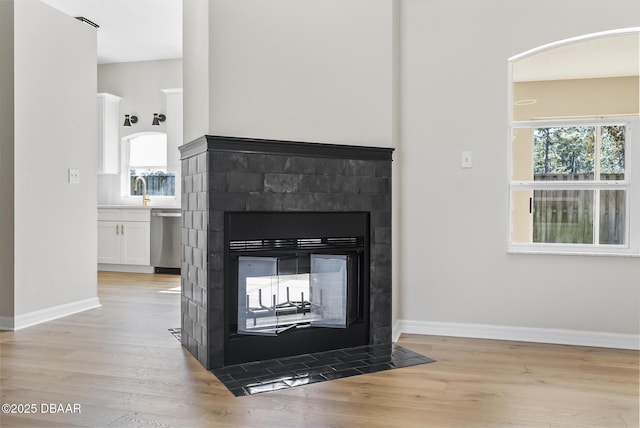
pixel 145 155
pixel 574 144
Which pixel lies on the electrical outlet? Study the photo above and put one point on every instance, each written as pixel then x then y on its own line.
pixel 74 176
pixel 466 160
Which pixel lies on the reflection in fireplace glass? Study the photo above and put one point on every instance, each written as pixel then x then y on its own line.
pixel 329 290
pixel 279 293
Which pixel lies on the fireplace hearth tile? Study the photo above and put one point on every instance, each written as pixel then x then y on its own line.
pixel 282 373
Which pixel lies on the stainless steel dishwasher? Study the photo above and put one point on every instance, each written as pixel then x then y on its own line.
pixel 166 240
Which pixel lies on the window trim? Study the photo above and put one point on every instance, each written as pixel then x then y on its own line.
pixel 631 248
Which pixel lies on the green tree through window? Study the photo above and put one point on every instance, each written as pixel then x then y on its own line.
pixel 571 154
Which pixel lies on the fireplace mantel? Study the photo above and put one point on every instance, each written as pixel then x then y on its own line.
pixel 229 174
pixel 284 148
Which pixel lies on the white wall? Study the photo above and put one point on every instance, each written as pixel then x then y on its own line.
pixel 140 85
pixel 55 122
pixel 6 162
pixel 195 54
pixel 315 70
pixel 454 266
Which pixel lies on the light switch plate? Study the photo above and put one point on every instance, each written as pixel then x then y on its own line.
pixel 74 176
pixel 466 160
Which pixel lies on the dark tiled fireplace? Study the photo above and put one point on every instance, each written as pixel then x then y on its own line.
pixel 286 248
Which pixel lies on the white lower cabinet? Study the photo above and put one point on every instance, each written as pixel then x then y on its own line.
pixel 109 242
pixel 124 237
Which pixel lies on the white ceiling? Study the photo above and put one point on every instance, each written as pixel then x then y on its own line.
pixel 144 30
pixel 131 30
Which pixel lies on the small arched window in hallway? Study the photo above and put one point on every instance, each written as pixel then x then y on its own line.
pixel 145 155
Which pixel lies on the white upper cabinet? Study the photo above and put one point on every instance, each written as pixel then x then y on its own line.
pixel 108 135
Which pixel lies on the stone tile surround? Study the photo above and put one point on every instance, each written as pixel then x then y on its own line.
pixel 222 174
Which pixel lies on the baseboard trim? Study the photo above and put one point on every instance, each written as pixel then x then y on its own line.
pixel 521 334
pixel 125 268
pixel 48 314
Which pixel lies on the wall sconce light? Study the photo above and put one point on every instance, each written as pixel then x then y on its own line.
pixel 157 118
pixel 129 119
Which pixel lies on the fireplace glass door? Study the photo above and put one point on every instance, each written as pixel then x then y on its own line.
pixel 329 290
pixel 276 294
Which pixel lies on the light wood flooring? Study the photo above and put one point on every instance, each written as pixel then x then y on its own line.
pixel 123 367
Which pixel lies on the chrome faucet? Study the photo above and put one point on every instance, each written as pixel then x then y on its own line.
pixel 145 198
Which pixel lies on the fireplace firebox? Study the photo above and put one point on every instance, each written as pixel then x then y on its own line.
pixel 297 283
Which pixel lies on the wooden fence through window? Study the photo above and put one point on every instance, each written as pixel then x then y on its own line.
pixel 157 185
pixel 566 216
